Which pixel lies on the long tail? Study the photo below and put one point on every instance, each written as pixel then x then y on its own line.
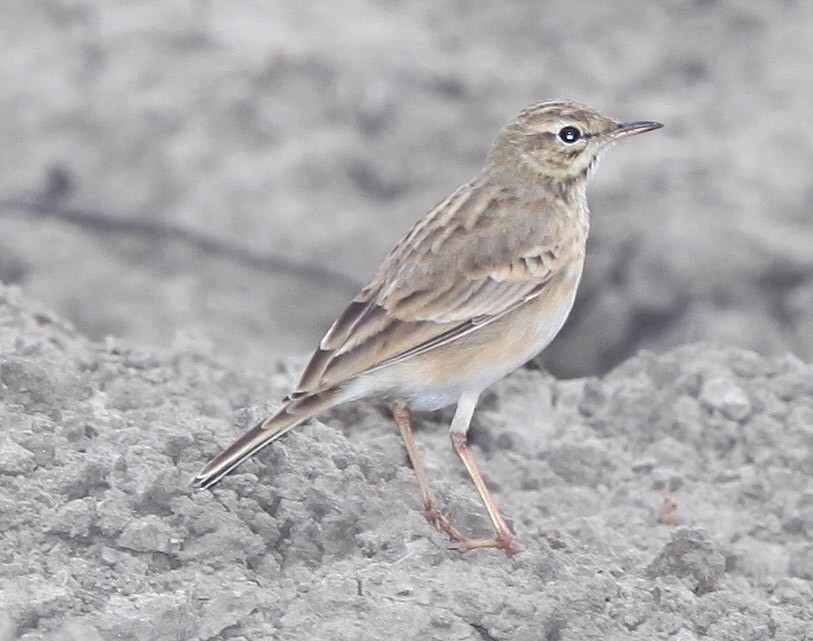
pixel 264 433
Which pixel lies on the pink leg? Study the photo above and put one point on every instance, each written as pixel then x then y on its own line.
pixel 505 540
pixel 402 416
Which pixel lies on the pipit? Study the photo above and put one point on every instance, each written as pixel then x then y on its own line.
pixel 476 288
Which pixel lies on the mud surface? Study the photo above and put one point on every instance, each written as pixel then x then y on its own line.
pixel 672 499
pixel 320 132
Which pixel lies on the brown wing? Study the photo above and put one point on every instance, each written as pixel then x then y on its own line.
pixel 464 265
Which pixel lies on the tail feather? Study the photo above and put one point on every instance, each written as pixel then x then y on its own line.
pixel 264 433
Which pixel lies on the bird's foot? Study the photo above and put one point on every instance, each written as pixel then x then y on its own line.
pixel 441 521
pixel 504 540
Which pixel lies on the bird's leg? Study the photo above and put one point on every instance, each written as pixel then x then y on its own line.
pixel 402 416
pixel 505 539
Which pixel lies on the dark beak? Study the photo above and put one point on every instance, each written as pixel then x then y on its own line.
pixel 625 129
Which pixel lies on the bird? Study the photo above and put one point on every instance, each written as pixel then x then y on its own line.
pixel 474 290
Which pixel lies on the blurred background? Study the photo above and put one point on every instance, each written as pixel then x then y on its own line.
pixel 225 174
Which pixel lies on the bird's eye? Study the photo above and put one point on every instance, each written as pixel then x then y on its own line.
pixel 569 134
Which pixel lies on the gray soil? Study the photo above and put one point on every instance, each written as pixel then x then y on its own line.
pixel 666 494
pixel 671 499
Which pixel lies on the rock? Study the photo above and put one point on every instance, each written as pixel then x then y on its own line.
pixel 722 394
pixel 147 534
pixel 690 555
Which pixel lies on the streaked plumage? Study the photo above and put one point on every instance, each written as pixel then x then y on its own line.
pixel 475 289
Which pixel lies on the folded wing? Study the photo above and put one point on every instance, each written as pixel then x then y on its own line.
pixel 442 282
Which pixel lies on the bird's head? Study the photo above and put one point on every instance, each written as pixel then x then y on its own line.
pixel 560 141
